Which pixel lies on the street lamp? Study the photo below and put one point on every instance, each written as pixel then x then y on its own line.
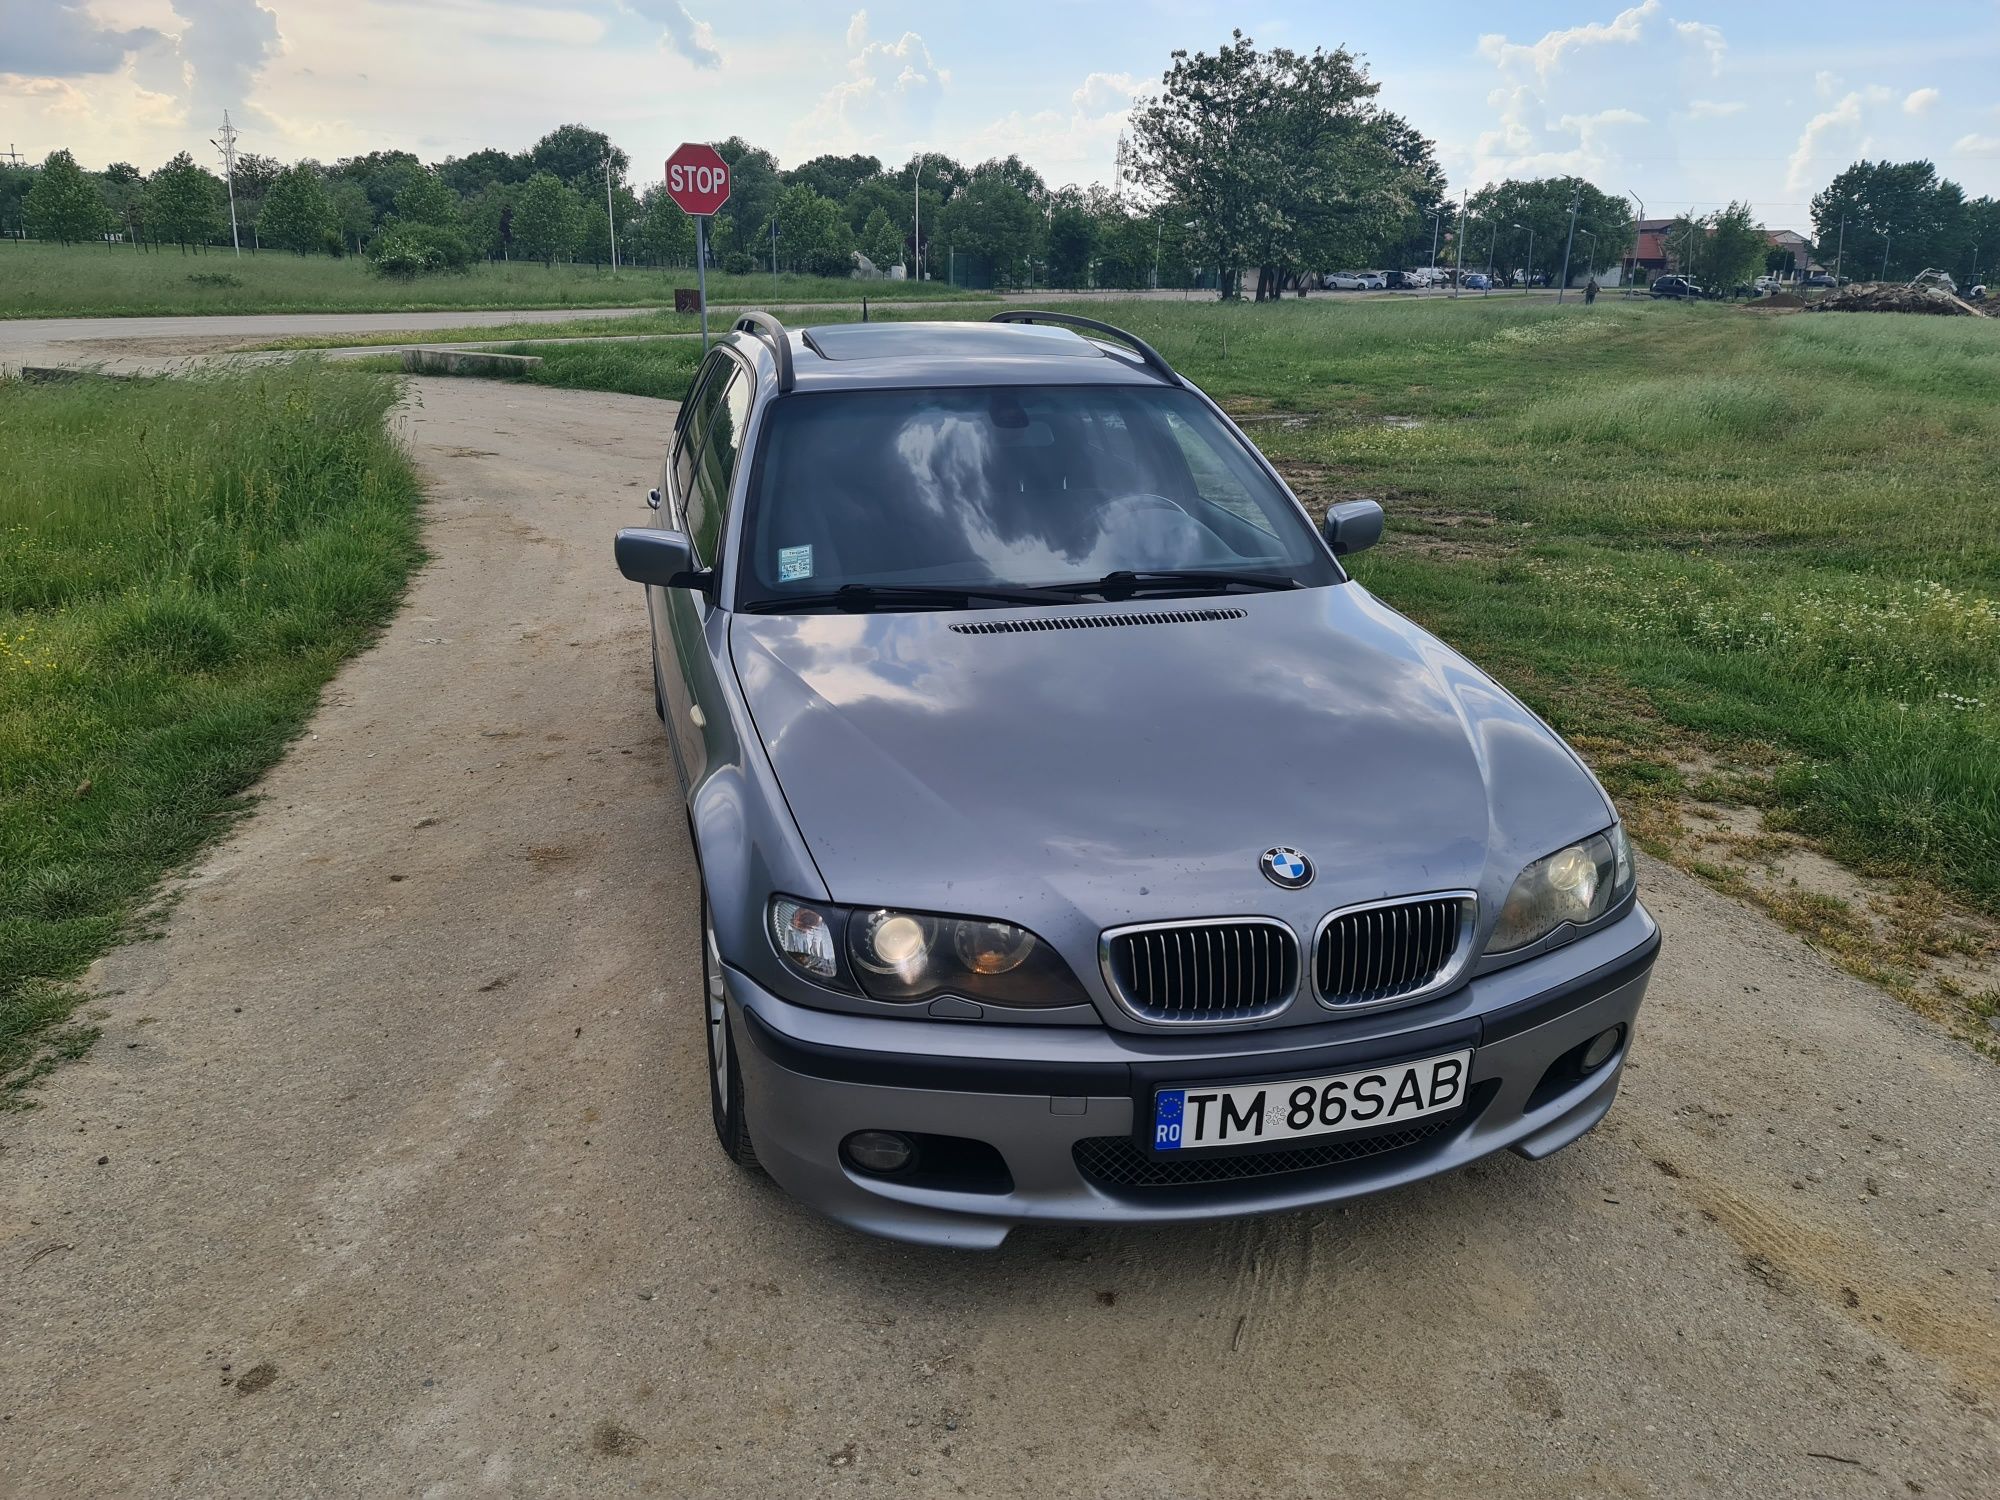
pixel 1529 274
pixel 1590 271
pixel 1885 257
pixel 1437 219
pixel 917 218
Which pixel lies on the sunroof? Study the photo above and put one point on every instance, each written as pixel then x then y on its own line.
pixel 944 341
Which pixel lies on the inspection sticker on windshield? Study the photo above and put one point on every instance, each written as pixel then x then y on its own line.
pixel 795 563
pixel 1252 1113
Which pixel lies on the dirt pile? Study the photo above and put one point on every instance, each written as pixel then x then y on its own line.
pixel 1895 296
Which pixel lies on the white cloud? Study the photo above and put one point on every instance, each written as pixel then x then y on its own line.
pixel 1546 55
pixel 1708 38
pixel 889 97
pixel 61 39
pixel 1826 84
pixel 1079 144
pixel 1920 101
pixel 1976 143
pixel 1543 93
pixel 1846 114
pixel 1715 109
pixel 680 33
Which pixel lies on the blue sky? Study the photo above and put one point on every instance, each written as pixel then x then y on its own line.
pixel 1685 105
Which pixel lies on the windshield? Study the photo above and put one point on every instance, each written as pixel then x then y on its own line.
pixel 1016 486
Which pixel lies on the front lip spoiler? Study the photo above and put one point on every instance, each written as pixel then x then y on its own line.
pixel 1000 1075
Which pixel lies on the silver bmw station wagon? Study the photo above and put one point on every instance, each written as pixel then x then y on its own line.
pixel 1079 842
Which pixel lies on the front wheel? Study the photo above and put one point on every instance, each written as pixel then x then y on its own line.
pixel 725 1078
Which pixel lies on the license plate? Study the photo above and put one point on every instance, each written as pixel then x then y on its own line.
pixel 1250 1114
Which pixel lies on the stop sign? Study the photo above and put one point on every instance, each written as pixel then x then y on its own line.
pixel 697 179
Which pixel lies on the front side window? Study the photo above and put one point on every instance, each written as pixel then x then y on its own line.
pixel 715 464
pixel 1013 486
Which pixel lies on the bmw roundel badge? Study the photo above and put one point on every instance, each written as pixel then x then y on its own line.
pixel 1287 868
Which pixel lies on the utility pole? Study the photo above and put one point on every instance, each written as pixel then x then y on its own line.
pixel 1458 237
pixel 917 219
pixel 1839 249
pixel 1437 220
pixel 1885 257
pixel 13 156
pixel 1531 255
pixel 610 219
pixel 1637 230
pixel 226 144
pixel 774 239
pixel 1575 202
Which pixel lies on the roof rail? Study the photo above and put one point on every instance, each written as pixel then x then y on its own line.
pixel 1153 359
pixel 772 332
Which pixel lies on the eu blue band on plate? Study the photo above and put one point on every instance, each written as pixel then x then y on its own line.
pixel 1167 1109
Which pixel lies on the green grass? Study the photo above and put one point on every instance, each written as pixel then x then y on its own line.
pixel 1772 538
pixel 183 564
pixel 51 281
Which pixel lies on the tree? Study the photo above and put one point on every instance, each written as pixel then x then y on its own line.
pixel 575 154
pixel 1720 250
pixel 64 205
pixel 488 217
pixel 1902 208
pixel 381 175
pixel 992 221
pixel 593 235
pixel 881 241
pixel 298 214
pixel 468 176
pixel 813 236
pixel 545 218
pixel 1508 219
pixel 663 236
pixel 122 191
pixel 753 188
pixel 14 185
pixel 423 197
pixel 834 177
pixel 1280 158
pixel 353 215
pixel 184 203
pixel 1072 239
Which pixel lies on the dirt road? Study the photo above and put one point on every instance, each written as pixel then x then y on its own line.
pixel 392 1173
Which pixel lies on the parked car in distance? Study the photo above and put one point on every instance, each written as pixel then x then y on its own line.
pixel 1374 281
pixel 1077 840
pixel 1476 281
pixel 1678 287
pixel 1767 284
pixel 1821 278
pixel 1346 281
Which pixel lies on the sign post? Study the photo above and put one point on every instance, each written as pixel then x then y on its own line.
pixel 698 183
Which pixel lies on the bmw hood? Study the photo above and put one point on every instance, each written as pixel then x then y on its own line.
pixel 1076 768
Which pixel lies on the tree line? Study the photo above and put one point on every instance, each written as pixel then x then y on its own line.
pixel 1252 170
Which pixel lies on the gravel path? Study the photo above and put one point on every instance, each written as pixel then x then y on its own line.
pixel 393 1175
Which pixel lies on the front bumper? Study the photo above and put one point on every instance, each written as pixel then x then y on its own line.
pixel 812 1077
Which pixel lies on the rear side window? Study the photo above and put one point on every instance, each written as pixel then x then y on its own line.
pixel 707 503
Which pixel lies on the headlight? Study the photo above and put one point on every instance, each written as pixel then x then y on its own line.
pixel 910 956
pixel 1576 885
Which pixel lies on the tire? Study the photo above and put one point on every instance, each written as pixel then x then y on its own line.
pixel 726 1103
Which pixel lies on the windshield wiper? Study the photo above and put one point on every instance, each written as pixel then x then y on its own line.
pixel 859 598
pixel 1125 583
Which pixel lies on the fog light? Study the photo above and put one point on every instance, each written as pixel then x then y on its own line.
pixel 1601 1047
pixel 880 1151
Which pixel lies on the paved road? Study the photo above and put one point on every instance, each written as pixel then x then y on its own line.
pixel 392 1174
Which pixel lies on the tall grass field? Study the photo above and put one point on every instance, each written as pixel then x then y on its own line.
pixel 183 564
pixel 61 281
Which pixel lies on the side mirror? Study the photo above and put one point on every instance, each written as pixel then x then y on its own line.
pixel 662 558
pixel 1353 526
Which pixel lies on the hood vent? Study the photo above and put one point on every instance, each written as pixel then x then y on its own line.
pixel 1101 622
